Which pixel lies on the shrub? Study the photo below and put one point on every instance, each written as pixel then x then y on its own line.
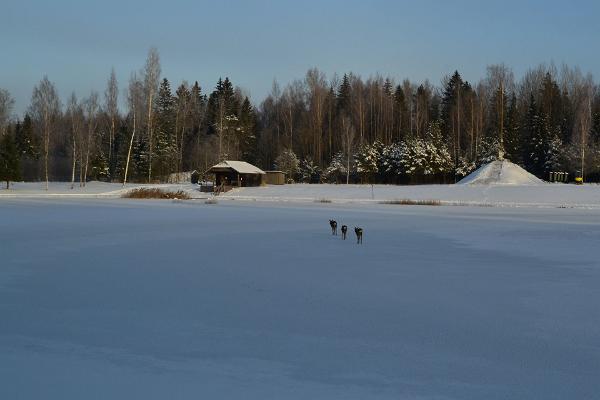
pixel 408 202
pixel 155 193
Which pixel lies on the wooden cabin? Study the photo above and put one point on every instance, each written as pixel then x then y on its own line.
pixel 275 177
pixel 237 174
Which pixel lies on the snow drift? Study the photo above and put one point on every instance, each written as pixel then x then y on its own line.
pixel 501 172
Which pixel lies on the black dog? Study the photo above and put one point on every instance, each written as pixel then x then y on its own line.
pixel 344 230
pixel 333 225
pixel 359 233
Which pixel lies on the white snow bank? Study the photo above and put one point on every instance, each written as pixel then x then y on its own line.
pixel 501 173
pixel 545 195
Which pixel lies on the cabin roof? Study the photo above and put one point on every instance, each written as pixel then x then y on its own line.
pixel 241 167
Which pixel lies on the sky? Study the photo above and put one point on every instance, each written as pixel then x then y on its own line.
pixel 77 42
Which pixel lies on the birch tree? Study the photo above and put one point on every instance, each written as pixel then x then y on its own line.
pixel 6 106
pixel 134 100
pixel 91 116
pixel 45 110
pixel 111 98
pixel 151 77
pixel 75 116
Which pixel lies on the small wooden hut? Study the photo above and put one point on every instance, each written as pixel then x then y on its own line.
pixel 275 177
pixel 236 174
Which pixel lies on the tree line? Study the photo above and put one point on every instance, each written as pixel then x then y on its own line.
pixel 341 129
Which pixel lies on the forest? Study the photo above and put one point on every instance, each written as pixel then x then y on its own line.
pixel 338 129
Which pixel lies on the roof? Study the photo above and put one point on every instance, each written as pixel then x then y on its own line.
pixel 241 167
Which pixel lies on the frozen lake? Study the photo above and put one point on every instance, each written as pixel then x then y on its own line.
pixel 152 299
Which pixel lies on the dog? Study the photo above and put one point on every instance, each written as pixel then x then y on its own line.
pixel 333 225
pixel 344 231
pixel 359 234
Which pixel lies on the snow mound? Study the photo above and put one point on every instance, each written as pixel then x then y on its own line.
pixel 500 173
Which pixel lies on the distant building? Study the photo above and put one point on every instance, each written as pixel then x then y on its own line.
pixel 237 174
pixel 275 177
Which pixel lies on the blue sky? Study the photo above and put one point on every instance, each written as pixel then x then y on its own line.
pixel 76 42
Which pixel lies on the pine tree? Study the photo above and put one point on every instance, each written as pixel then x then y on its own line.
pixel 9 160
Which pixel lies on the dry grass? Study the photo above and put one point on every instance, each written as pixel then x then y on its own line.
pixel 155 193
pixel 408 202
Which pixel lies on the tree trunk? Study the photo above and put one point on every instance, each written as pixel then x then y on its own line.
pixel 129 152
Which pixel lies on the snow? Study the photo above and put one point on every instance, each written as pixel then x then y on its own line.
pixel 116 298
pixel 546 195
pixel 550 195
pixel 501 172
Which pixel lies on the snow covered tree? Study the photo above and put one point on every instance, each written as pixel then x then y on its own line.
pixel 288 163
pixel 337 171
pixel 464 167
pixel 367 159
pixel 488 150
pixel 309 171
pixel 99 167
pixel 553 160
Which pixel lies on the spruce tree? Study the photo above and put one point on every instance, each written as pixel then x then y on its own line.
pixel 512 137
pixel 165 126
pixel 401 114
pixel 247 132
pixel 26 141
pixel 343 97
pixel 538 140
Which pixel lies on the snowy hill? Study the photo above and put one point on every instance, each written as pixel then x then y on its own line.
pixel 501 173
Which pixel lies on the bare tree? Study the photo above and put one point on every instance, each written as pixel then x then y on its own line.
pixel 134 99
pixel 75 115
pixel 182 119
pixel 348 133
pixel 111 98
pixel 317 92
pixel 45 109
pixel 151 77
pixel 6 106
pixel 91 116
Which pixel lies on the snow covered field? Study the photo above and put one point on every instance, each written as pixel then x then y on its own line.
pixel 548 195
pixel 114 298
pixel 545 195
